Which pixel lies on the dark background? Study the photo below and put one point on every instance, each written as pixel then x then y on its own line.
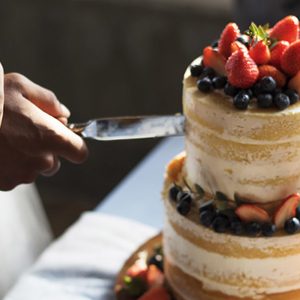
pixel 110 58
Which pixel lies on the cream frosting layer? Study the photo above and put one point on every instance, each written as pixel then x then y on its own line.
pixel 254 153
pixel 232 274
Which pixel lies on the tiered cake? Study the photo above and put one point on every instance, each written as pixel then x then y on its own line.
pixel 232 216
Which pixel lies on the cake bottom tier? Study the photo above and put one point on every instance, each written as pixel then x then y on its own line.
pixel 185 287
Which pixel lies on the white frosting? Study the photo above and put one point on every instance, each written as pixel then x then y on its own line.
pixel 254 153
pixel 270 275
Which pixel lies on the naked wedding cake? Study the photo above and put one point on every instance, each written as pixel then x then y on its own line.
pixel 232 228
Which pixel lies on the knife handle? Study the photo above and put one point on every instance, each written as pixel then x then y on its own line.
pixel 77 127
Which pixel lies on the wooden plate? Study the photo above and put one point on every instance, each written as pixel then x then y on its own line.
pixel 144 250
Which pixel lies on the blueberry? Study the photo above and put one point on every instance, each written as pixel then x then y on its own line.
pixel 220 224
pixel 184 196
pixel 250 93
pixel 207 217
pixel 156 260
pixel 208 205
pixel 268 229
pixel 292 225
pixel 298 212
pixel 205 85
pixel 209 72
pixel 293 95
pixel 256 89
pixel 184 203
pixel 241 100
pixel 237 227
pixel 265 100
pixel 219 82
pixel 268 84
pixel 215 44
pixel 281 101
pixel 244 40
pixel 231 90
pixel 196 70
pixel 253 228
pixel 173 192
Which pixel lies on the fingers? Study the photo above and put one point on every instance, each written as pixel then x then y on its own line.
pixel 58 139
pixel 53 167
pixel 39 96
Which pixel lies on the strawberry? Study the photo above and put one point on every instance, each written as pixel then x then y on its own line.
pixel 175 166
pixel 242 72
pixel 260 53
pixel 290 60
pixel 138 270
pixel 286 29
pixel 277 52
pixel 237 45
pixel 157 293
pixel 228 36
pixel 155 277
pixel 251 212
pixel 294 83
pixel 212 58
pixel 268 70
pixel 286 210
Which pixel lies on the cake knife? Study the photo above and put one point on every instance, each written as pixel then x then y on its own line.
pixel 126 128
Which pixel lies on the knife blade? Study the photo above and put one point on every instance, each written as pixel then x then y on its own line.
pixel 126 128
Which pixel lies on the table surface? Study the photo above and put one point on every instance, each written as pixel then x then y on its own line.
pixel 138 196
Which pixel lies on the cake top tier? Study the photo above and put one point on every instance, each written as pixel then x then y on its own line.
pixel 262 64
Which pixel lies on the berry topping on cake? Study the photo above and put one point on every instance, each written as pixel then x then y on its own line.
pixel 253 228
pixel 292 225
pixel 250 212
pixel 271 71
pixel 268 229
pixel 238 46
pixel 241 70
pixel 260 53
pixel 175 166
pixel 286 210
pixel 214 59
pixel 239 62
pixel 277 52
pixel 294 83
pixel 286 29
pixel 196 70
pixel 228 36
pixel 290 61
pixel 184 203
pixel 205 85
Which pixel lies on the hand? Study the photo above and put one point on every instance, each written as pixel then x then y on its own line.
pixel 33 134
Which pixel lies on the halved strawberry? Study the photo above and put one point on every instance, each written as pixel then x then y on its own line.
pixel 155 276
pixel 277 52
pixel 212 58
pixel 268 70
pixel 138 270
pixel 286 29
pixel 294 83
pixel 251 212
pixel 175 166
pixel 228 36
pixel 260 53
pixel 290 60
pixel 286 210
pixel 157 293
pixel 237 45
pixel 242 71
